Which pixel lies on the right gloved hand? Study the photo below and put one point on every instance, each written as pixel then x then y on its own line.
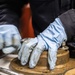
pixel 50 39
pixel 9 38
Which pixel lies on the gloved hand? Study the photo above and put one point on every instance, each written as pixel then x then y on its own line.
pixel 50 39
pixel 9 38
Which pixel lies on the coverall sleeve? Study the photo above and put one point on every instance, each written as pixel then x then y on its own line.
pixel 7 16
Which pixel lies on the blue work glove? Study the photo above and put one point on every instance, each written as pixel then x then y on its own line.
pixel 50 39
pixel 9 38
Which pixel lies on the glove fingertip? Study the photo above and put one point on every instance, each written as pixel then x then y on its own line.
pixel 23 63
pixel 8 50
pixel 52 66
pixel 31 65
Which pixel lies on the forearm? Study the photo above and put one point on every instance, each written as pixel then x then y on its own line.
pixel 55 33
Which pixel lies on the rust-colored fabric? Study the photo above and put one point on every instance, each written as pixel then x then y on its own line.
pixel 26 28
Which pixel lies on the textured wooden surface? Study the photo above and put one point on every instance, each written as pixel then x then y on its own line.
pixel 70 72
pixel 59 70
pixel 42 67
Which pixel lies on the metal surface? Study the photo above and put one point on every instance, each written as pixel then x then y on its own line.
pixel 7 71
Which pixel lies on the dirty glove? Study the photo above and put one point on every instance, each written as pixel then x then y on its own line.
pixel 50 39
pixel 9 38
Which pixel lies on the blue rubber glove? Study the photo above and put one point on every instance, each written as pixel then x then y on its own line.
pixel 9 38
pixel 50 39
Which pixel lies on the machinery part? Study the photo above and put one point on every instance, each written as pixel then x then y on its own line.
pixel 70 72
pixel 42 66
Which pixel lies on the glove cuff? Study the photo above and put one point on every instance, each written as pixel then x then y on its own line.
pixel 54 33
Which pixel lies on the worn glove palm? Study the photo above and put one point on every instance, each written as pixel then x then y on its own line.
pixel 9 38
pixel 50 39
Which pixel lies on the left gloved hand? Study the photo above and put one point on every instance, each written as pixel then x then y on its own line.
pixel 50 39
pixel 10 38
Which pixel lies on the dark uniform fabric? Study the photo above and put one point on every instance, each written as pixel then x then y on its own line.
pixel 10 11
pixel 45 11
pixel 68 21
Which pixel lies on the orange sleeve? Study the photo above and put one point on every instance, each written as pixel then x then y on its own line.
pixel 26 22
